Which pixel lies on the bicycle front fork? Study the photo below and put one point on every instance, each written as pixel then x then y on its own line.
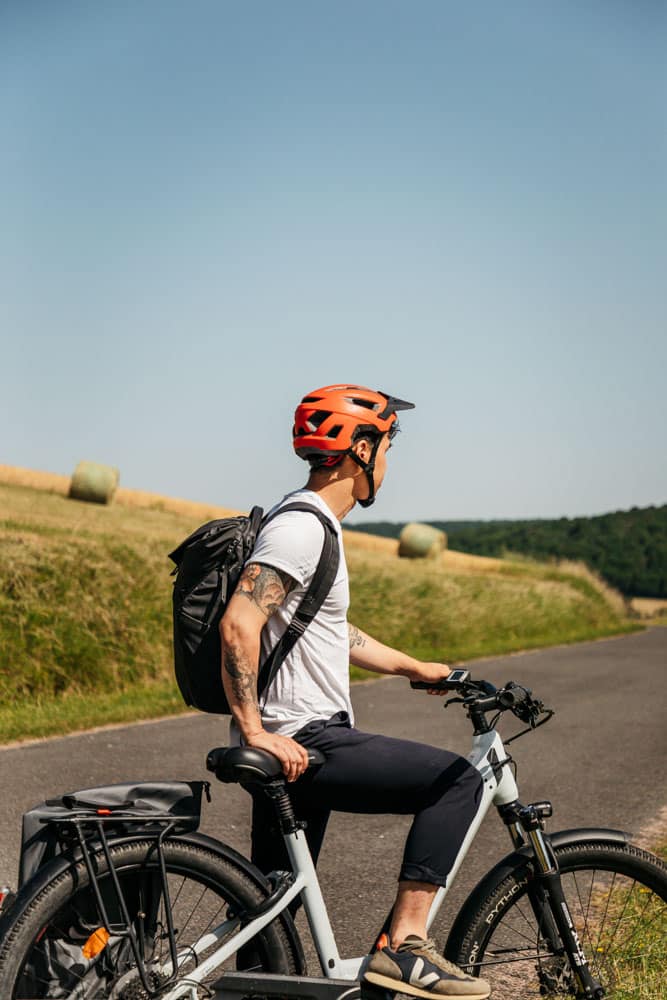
pixel 547 899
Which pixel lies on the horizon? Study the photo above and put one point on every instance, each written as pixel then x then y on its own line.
pixel 360 510
pixel 507 520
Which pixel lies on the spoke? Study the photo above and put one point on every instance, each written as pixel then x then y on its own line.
pixel 610 893
pixel 533 957
pixel 65 968
pixel 187 951
pixel 529 921
pixel 590 895
pixel 586 931
pixel 513 951
pixel 514 930
pixel 619 919
pixel 193 910
pixel 175 900
pixel 213 921
pixel 641 924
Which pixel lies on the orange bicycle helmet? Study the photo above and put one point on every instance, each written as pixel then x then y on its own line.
pixel 328 421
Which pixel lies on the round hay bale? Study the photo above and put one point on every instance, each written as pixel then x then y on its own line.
pixel 421 541
pixel 93 482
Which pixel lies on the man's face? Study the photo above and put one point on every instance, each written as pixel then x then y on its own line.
pixel 381 461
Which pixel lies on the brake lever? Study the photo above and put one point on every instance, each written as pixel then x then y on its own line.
pixel 534 724
pixel 453 701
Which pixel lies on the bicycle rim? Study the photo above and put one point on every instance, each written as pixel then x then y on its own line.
pixel 617 897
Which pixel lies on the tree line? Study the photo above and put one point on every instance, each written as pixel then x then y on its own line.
pixel 627 548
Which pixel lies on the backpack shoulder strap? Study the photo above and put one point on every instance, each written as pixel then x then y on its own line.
pixel 312 600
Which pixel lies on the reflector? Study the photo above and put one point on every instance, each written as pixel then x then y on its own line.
pixel 96 943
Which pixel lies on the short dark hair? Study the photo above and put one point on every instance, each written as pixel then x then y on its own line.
pixel 318 460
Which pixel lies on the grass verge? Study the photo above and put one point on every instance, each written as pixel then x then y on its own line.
pixel 85 618
pixel 636 959
pixel 73 712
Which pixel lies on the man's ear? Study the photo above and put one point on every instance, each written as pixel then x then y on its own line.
pixel 363 449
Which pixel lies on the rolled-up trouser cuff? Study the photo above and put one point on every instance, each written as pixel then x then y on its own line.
pixel 418 873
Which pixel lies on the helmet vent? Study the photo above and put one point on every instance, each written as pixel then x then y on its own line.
pixel 315 419
pixel 367 403
pixel 335 431
pixel 311 399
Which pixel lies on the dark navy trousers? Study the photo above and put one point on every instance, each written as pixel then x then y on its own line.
pixel 366 773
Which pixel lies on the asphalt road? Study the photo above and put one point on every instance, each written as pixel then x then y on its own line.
pixel 601 761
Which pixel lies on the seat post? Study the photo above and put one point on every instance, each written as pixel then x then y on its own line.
pixel 277 792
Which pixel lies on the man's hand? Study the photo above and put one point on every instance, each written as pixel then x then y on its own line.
pixel 426 672
pixel 292 756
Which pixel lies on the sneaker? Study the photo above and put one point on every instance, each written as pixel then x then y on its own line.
pixel 417 969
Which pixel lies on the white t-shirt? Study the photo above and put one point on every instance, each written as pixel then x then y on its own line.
pixel 313 682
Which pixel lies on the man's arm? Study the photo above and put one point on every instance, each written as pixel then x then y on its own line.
pixel 367 652
pixel 258 595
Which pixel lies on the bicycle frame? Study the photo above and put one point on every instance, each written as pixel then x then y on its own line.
pixel 499 788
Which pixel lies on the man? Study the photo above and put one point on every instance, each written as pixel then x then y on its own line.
pixel 344 432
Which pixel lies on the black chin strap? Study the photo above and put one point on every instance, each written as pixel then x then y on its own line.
pixel 369 469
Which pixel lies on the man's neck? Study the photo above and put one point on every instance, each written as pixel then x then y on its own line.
pixel 336 493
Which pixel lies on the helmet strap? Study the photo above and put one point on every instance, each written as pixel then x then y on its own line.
pixel 369 469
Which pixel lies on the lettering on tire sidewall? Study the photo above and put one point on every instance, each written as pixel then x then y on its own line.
pixel 492 915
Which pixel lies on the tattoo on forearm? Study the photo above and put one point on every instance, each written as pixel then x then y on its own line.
pixel 357 637
pixel 244 679
pixel 266 586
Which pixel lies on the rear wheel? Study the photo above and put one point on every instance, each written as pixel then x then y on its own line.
pixel 617 896
pixel 54 946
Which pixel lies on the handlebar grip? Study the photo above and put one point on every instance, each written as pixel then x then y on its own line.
pixel 428 685
pixel 511 697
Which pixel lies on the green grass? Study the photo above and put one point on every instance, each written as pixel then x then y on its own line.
pixel 85 615
pixel 637 960
pixel 438 615
pixel 71 712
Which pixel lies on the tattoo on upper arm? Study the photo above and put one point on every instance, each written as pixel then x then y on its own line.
pixel 266 586
pixel 244 679
pixel 357 637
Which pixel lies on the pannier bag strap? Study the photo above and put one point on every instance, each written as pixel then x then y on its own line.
pixel 312 600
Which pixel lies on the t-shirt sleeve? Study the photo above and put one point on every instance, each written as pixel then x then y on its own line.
pixel 292 543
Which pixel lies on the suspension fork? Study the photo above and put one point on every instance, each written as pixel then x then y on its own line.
pixel 548 901
pixel 517 822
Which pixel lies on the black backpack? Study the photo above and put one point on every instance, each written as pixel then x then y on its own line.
pixel 208 566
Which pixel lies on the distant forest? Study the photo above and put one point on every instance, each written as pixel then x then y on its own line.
pixel 627 548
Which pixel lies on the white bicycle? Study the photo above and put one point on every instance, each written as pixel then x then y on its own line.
pixel 138 905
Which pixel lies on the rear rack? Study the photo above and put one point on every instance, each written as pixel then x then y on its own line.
pixel 80 826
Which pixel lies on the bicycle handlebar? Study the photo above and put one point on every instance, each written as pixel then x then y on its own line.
pixel 480 697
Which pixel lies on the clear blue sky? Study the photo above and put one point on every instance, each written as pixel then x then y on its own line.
pixel 209 208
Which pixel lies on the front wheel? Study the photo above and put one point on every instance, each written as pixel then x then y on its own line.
pixel 617 896
pixel 53 945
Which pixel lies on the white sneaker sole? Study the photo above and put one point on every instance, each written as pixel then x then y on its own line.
pixel 399 987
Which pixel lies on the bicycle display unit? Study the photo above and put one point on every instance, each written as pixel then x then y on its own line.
pixel 141 906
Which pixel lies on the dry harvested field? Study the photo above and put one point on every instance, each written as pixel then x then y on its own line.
pixel 649 607
pixel 52 482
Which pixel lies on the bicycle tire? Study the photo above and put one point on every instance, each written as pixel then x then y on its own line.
pixel 201 885
pixel 615 893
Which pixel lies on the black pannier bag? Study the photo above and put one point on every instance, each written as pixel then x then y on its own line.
pixel 135 803
pixel 209 564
